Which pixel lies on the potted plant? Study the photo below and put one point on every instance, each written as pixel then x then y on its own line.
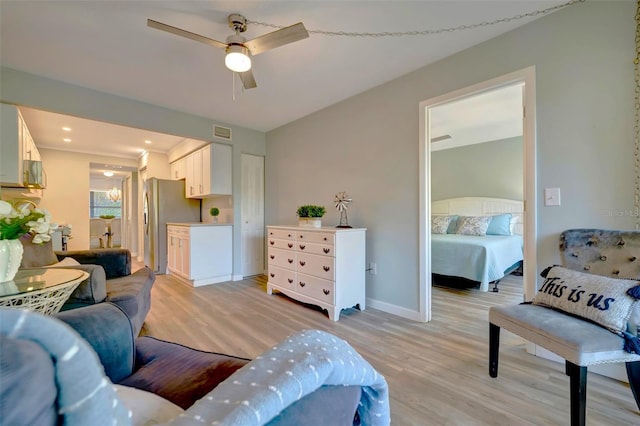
pixel 214 212
pixel 309 215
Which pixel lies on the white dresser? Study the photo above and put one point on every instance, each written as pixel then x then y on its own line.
pixel 319 266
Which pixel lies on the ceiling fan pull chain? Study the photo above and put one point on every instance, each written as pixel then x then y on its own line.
pixel 233 85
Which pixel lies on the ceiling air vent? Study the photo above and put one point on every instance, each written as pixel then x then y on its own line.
pixel 222 132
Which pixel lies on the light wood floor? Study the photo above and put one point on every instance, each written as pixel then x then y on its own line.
pixel 437 372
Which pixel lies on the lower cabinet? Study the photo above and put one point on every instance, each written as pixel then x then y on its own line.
pixel 323 267
pixel 200 254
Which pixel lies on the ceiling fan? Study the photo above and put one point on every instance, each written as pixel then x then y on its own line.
pixel 239 50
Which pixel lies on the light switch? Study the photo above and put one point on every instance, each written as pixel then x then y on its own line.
pixel 552 196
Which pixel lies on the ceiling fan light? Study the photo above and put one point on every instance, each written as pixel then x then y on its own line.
pixel 237 58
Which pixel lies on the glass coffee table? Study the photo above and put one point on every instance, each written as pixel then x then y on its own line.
pixel 43 290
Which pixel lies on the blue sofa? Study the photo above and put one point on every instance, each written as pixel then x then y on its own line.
pixel 110 278
pixel 31 391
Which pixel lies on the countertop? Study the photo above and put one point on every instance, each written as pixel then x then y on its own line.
pixel 198 224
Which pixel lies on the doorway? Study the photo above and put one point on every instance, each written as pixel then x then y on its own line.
pixel 526 79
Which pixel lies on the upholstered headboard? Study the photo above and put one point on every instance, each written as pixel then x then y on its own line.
pixel 481 206
pixel 602 252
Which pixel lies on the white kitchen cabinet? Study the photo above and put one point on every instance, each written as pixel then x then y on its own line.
pixel 19 157
pixel 209 171
pixel 199 253
pixel 323 266
pixel 179 169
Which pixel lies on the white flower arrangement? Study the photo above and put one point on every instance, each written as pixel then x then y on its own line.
pixel 18 221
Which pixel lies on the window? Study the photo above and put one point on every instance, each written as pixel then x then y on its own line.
pixel 100 204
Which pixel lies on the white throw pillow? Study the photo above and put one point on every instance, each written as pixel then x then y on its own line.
pixel 67 261
pixel 147 408
pixel 602 300
pixel 440 224
pixel 473 225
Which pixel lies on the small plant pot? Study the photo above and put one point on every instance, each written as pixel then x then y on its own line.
pixel 310 222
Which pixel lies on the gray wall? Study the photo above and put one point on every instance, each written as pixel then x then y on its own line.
pixel 490 169
pixel 37 92
pixel 368 145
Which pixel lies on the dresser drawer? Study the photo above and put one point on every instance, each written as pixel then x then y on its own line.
pixel 316 237
pixel 316 265
pixel 178 230
pixel 282 277
pixel 282 244
pixel 315 287
pixel 313 248
pixel 282 234
pixel 282 258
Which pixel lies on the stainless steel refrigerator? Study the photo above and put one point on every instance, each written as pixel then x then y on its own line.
pixel 164 201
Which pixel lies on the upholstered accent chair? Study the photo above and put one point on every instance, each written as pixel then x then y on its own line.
pixel 580 342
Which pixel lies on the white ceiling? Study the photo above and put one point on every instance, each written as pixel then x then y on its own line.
pixel 106 46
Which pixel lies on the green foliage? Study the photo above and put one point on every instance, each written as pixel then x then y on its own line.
pixel 311 211
pixel 214 211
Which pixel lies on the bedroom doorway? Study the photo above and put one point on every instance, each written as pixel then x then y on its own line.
pixel 434 133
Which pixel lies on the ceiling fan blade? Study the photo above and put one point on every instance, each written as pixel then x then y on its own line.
pixel 184 33
pixel 277 38
pixel 247 79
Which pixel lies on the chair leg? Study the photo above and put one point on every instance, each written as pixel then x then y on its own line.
pixel 494 349
pixel 633 373
pixel 578 393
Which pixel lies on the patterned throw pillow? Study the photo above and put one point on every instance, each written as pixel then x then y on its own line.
pixel 473 225
pixel 439 224
pixel 600 299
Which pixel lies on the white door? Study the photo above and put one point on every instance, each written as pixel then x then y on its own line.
pixel 252 215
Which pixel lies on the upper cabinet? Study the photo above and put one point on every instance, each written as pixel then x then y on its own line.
pixel 20 164
pixel 208 171
pixel 179 169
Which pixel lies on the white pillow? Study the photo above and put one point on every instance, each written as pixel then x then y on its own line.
pixel 440 224
pixel 67 261
pixel 473 225
pixel 147 408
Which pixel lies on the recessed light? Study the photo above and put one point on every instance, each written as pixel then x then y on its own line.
pixel 107 174
pixel 66 129
pixel 66 140
pixel 148 142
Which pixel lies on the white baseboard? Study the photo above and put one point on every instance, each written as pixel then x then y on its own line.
pixel 393 309
pixel 237 277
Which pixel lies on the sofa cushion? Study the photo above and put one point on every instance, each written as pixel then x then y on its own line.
pixel 107 329
pixel 26 369
pixel 133 294
pixel 147 408
pixel 90 291
pixel 178 373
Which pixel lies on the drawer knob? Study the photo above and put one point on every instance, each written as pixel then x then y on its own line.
pixel 272 275
pixel 302 246
pixel 272 256
pixel 302 263
pixel 270 233
pixel 326 250
pixel 290 260
pixel 302 284
pixel 290 245
pixel 326 292
pixel 325 238
pixel 272 242
pixel 301 236
pixel 326 268
pixel 290 280
pixel 289 235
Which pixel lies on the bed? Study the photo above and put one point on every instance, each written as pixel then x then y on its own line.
pixel 470 253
